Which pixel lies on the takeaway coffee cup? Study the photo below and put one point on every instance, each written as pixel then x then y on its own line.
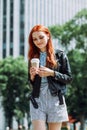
pixel 35 62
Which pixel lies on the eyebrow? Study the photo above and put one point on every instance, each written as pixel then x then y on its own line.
pixel 38 36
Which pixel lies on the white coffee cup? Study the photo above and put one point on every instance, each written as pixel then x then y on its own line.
pixel 35 62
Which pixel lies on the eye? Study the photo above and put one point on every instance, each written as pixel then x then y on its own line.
pixel 34 39
pixel 41 37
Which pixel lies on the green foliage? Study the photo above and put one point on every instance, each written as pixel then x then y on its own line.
pixel 14 86
pixel 75 29
pixel 76 96
pixel 56 30
pixel 64 128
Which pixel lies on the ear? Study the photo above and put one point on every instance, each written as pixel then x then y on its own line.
pixel 48 38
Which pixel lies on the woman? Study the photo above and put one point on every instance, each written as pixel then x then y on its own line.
pixel 48 81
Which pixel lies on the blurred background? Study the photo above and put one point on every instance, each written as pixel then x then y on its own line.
pixel 67 21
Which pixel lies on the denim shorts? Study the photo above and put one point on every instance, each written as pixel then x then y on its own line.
pixel 49 109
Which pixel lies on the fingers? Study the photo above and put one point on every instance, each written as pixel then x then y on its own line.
pixel 42 68
pixel 44 72
pixel 33 70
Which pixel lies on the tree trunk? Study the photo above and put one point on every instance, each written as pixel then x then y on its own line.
pixel 74 126
pixel 10 122
pixel 82 121
pixel 18 121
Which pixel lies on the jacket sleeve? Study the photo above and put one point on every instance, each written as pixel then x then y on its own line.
pixel 34 85
pixel 64 74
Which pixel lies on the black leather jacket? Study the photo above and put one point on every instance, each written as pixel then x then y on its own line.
pixel 59 81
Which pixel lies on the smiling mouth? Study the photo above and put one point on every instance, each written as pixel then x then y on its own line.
pixel 39 44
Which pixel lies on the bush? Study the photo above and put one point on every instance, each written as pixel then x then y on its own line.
pixel 64 128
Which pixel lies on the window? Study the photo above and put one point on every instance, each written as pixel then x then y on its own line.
pixel 11 7
pixel 4 36
pixel 22 37
pixel 22 50
pixel 4 22
pixel 11 36
pixel 4 52
pixel 22 7
pixel 4 6
pixel 11 21
pixel 11 51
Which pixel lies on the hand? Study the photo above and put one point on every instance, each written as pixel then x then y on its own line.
pixel 33 72
pixel 44 72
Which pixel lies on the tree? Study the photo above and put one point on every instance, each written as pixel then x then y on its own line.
pixel 14 87
pixel 75 32
pixel 77 93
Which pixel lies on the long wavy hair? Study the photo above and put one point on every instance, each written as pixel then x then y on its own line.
pixel 34 52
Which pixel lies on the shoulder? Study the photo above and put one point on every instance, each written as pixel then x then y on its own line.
pixel 60 53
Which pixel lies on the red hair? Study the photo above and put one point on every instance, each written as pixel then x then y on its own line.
pixel 35 52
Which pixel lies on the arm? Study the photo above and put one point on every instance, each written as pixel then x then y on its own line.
pixel 64 74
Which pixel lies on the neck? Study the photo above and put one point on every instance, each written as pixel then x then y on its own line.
pixel 43 50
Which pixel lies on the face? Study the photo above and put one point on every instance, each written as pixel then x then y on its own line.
pixel 40 40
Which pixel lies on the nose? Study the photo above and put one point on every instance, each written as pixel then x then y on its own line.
pixel 38 40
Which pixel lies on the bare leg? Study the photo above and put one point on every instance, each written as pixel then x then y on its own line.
pixel 39 125
pixel 55 126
